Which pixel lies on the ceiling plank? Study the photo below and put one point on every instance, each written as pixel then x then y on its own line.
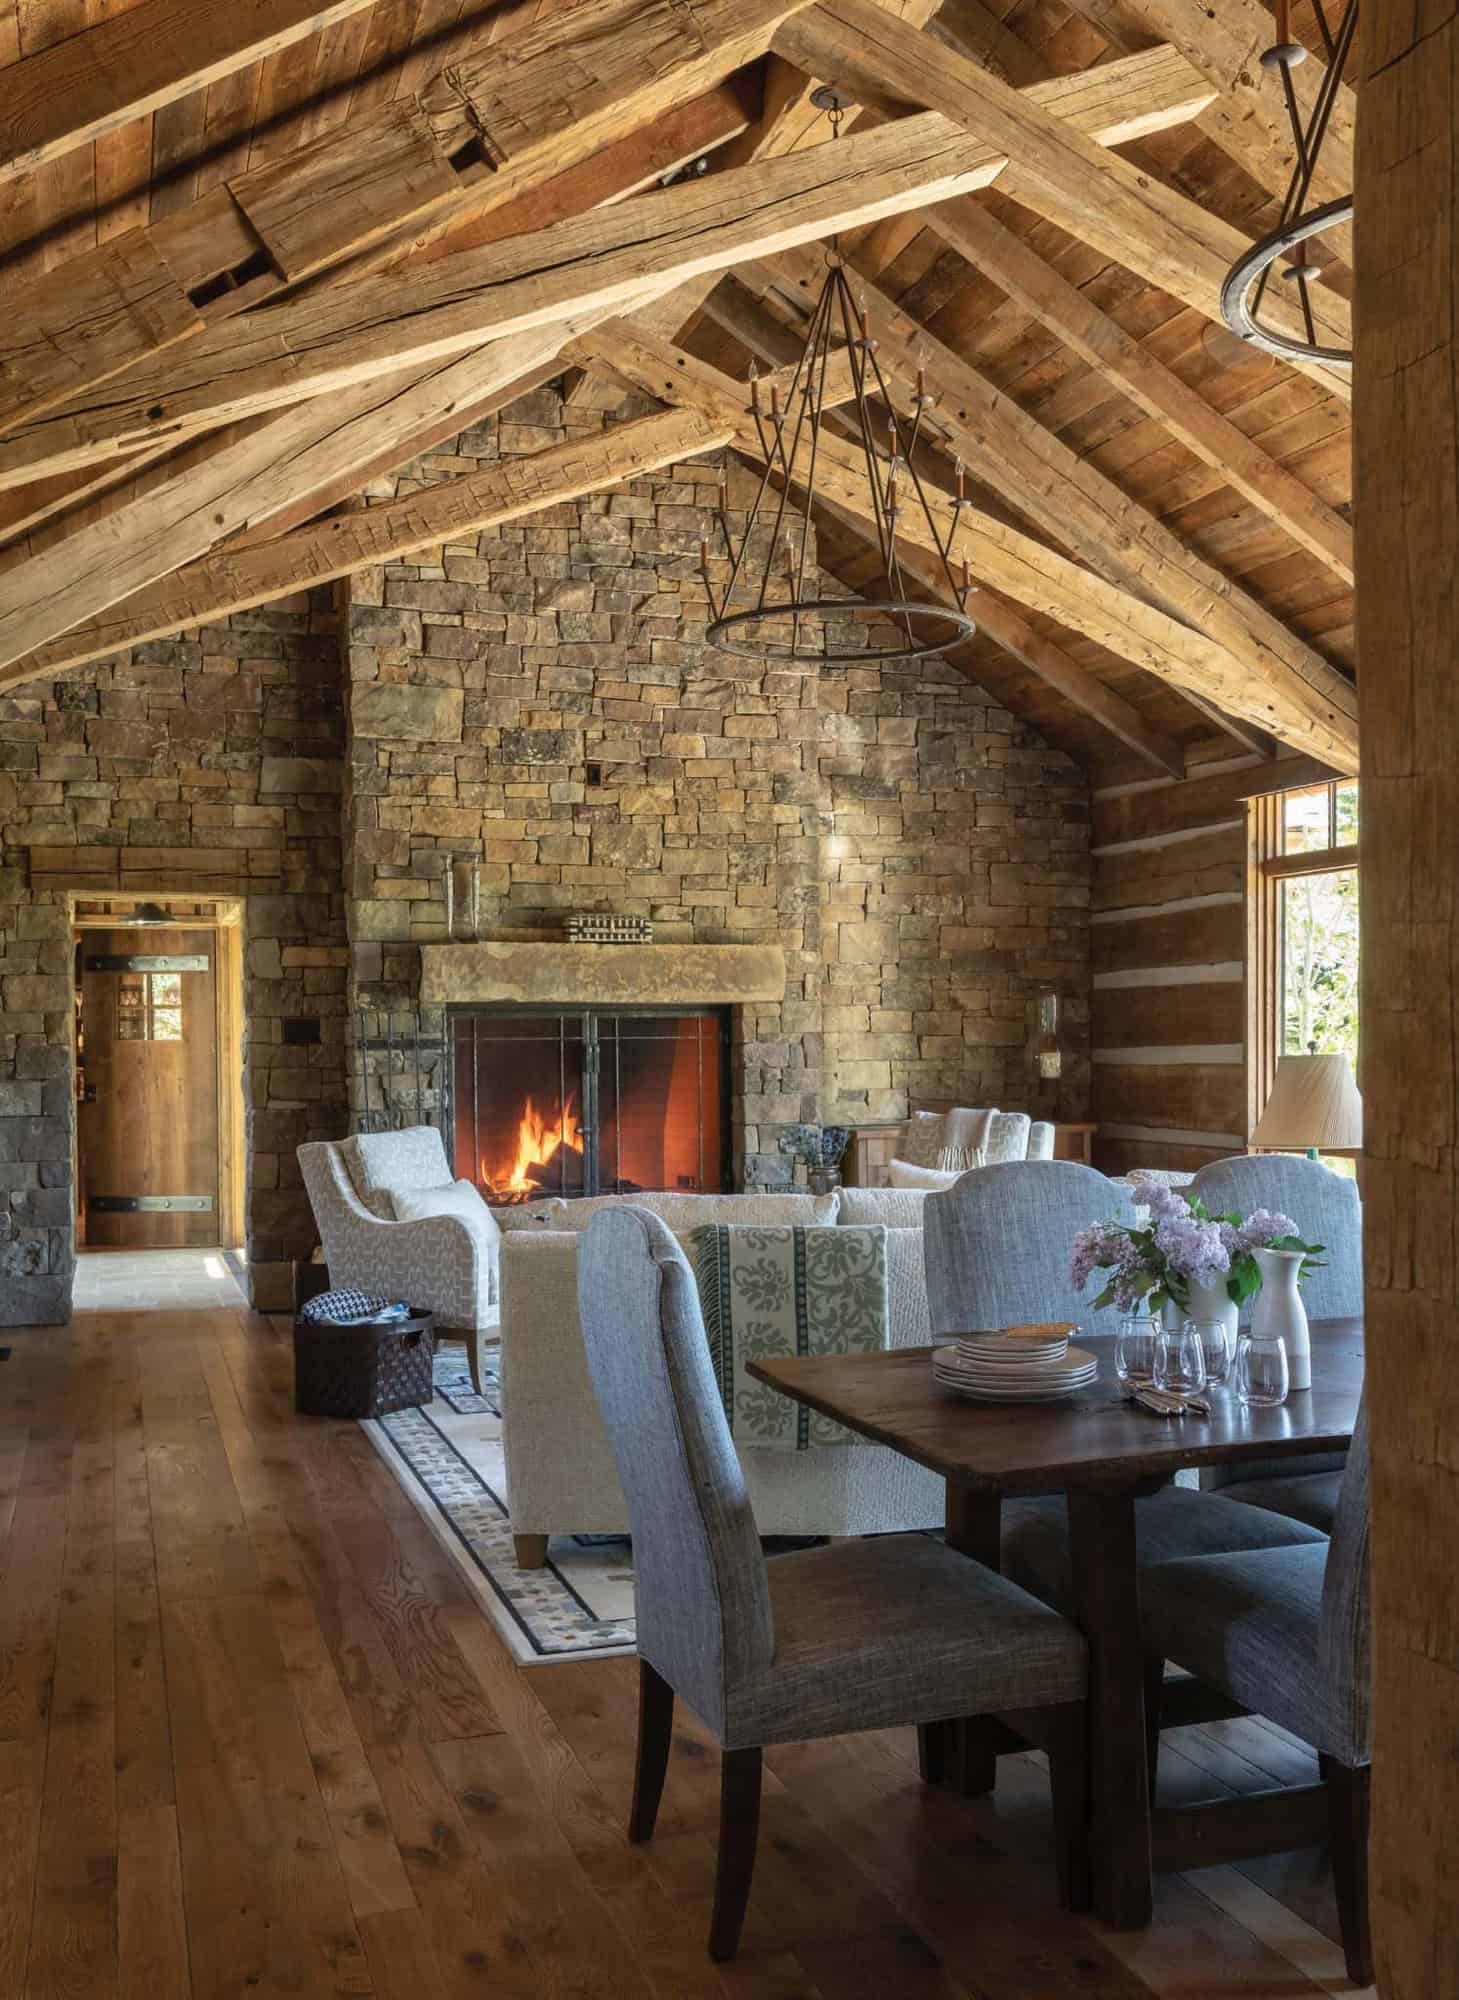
pixel 1053 169
pixel 338 336
pixel 1068 498
pixel 132 63
pixel 498 122
pixel 235 578
pixel 1017 269
pixel 1266 692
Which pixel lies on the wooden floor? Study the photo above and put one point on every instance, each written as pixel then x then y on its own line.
pixel 257 1739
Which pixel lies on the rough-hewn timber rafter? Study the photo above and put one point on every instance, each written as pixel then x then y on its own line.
pixel 1267 692
pixel 1052 168
pixel 236 578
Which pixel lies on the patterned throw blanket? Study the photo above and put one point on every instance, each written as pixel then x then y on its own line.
pixel 767 1292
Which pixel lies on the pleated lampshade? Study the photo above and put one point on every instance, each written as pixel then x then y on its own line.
pixel 1314 1103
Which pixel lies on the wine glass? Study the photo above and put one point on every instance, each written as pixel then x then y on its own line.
pixel 1180 1360
pixel 1135 1350
pixel 1262 1376
pixel 1216 1347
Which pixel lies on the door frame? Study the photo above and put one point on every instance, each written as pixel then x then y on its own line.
pixel 222 916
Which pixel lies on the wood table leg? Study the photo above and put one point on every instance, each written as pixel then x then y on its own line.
pixel 974 1528
pixel 1107 1609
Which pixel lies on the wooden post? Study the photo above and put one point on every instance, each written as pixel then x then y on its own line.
pixel 1407 418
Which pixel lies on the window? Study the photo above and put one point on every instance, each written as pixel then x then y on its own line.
pixel 1303 930
pixel 149 1007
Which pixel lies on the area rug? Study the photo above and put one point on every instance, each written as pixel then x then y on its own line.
pixel 448 1457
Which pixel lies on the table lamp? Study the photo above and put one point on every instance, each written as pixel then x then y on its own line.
pixel 1314 1108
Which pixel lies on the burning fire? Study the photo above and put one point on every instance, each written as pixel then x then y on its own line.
pixel 537 1141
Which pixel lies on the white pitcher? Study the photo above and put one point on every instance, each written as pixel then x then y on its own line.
pixel 1279 1311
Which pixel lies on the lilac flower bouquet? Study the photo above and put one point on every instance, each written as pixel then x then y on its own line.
pixel 1154 1264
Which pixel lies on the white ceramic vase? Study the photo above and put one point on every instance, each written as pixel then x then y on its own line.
pixel 1212 1301
pixel 1279 1311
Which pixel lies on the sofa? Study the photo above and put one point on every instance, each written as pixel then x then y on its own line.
pixel 561 1476
pixel 444 1264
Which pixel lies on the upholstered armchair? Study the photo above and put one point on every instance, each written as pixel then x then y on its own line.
pixel 856 1635
pixel 445 1264
pixel 948 1138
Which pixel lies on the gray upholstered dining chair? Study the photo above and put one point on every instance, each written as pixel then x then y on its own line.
pixel 856 1635
pixel 996 1246
pixel 1326 1210
pixel 1287 1634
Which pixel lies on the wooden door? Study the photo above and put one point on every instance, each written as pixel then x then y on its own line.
pixel 147 1125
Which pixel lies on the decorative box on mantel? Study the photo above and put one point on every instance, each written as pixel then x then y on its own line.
pixel 658 975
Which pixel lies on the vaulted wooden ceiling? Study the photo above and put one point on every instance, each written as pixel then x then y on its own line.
pixel 253 256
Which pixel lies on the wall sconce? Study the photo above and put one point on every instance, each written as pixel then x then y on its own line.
pixel 1048 1056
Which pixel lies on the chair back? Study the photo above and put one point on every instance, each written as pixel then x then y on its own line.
pixel 703 1602
pixel 997 1245
pixel 1344 1643
pixel 1324 1206
pixel 332 1196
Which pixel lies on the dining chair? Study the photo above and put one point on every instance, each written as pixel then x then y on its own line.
pixel 1287 1634
pixel 1326 1209
pixel 856 1635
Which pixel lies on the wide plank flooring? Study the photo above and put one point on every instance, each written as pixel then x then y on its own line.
pixel 256 1738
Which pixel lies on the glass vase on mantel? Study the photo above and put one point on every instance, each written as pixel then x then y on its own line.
pixel 1278 1311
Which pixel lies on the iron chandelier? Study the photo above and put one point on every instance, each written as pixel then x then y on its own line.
pixel 1248 279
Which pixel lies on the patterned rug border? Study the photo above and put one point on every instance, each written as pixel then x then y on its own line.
pixel 485 1586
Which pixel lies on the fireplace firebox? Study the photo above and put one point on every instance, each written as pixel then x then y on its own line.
pixel 580 1101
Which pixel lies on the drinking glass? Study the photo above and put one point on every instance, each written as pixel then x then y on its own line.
pixel 1180 1360
pixel 1215 1346
pixel 1135 1349
pixel 1261 1371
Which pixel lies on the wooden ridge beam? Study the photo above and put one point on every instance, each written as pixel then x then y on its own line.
pixel 1273 696
pixel 338 336
pixel 235 578
pixel 1069 499
pixel 1017 269
pixel 1053 168
pixel 131 63
pixel 498 122
pixel 274 465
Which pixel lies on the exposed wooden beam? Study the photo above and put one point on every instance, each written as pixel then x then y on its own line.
pixel 128 64
pixel 1053 169
pixel 235 578
pixel 1267 692
pixel 339 336
pixel 497 123
pixel 1017 269
pixel 273 466
pixel 1070 499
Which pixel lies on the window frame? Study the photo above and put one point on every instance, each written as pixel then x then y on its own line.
pixel 1268 866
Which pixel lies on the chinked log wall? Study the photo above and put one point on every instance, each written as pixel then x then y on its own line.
pixel 1168 945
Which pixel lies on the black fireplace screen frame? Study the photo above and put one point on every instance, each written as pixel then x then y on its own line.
pixel 582 1048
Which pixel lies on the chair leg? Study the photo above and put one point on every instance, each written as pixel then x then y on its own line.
pixel 1068 1754
pixel 972 1756
pixel 932 1752
pixel 655 1730
pixel 473 1360
pixel 1347 1809
pixel 1154 1695
pixel 739 1826
pixel 531 1550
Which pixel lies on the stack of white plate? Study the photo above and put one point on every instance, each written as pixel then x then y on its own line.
pixel 1026 1364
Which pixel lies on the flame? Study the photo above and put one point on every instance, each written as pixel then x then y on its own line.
pixel 537 1141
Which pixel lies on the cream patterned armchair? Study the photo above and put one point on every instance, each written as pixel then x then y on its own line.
pixel 961 1138
pixel 445 1264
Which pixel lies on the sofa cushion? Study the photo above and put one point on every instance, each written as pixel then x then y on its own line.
pixel 533 1215
pixel 382 1162
pixel 894 1208
pixel 907 1174
pixel 462 1199
pixel 685 1213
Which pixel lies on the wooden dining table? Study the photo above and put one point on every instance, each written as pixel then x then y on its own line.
pixel 1102 1452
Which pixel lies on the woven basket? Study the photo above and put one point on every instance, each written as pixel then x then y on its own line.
pixel 363 1371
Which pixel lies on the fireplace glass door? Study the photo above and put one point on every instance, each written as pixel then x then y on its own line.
pixel 589 1101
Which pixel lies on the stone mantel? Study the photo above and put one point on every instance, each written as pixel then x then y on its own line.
pixel 604 975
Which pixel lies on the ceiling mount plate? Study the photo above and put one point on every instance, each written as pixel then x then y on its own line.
pixel 831 97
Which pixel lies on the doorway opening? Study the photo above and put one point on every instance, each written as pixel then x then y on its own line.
pixel 158 1034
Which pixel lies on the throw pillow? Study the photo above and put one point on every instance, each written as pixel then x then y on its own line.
pixel 461 1199
pixel 907 1174
pixel 897 1208
pixel 795 1290
pixel 922 1138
